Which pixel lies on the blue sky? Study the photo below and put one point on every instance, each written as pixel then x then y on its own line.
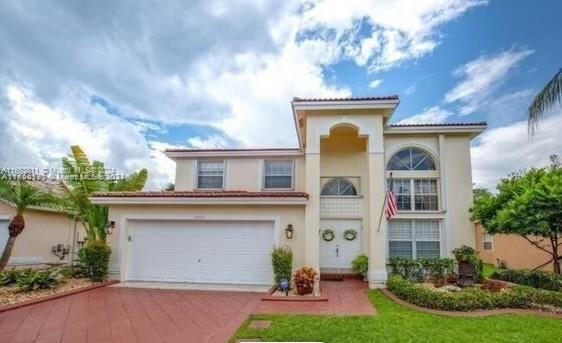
pixel 126 80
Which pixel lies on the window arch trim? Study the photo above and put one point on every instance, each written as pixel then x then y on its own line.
pixel 412 164
pixel 338 186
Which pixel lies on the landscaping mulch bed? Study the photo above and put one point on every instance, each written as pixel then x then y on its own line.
pixel 10 295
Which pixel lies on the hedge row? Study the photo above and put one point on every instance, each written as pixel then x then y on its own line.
pixel 537 279
pixel 470 299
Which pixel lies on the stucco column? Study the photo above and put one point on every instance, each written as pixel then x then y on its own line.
pixel 312 212
pixel 377 225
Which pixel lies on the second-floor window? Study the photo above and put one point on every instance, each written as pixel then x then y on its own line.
pixel 488 242
pixel 210 175
pixel 278 174
pixel 415 194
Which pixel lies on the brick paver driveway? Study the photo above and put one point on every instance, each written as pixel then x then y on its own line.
pixel 116 314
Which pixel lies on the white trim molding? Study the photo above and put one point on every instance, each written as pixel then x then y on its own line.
pixel 233 153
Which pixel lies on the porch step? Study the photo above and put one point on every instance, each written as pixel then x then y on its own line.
pixel 338 276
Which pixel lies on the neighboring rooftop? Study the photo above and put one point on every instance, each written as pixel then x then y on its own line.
pixel 480 123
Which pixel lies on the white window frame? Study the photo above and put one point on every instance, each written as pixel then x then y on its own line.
pixel 414 240
pixel 488 238
pixel 292 161
pixel 198 170
pixel 413 194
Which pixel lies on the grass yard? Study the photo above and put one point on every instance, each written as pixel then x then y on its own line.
pixel 489 269
pixel 395 323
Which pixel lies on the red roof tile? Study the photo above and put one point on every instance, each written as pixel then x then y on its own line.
pixel 367 98
pixel 231 149
pixel 201 194
pixel 480 123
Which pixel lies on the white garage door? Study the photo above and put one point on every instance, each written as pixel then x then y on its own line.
pixel 234 252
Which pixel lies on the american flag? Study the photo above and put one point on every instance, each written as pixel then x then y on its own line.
pixel 391 205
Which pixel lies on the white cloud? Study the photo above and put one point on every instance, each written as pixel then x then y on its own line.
pixel 207 143
pixel 508 149
pixel 481 77
pixel 41 135
pixel 431 115
pixel 375 84
pixel 234 65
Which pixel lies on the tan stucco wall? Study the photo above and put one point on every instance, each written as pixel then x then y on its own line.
pixel 242 173
pixel 514 250
pixel 458 187
pixel 43 229
pixel 286 214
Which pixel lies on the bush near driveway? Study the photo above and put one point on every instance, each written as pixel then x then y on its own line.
pixel 537 279
pixel 471 299
pixel 94 260
pixel 396 323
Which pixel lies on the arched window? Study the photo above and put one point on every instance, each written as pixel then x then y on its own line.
pixel 411 159
pixel 339 186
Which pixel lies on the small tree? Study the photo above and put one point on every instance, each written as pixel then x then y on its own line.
pixel 528 204
pixel 21 195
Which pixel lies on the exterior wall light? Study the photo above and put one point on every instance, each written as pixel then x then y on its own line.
pixel 109 227
pixel 289 231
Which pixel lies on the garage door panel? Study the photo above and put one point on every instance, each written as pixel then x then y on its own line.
pixel 201 252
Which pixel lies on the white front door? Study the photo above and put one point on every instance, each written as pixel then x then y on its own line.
pixel 337 254
pixel 227 252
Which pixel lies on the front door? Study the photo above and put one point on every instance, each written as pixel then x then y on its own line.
pixel 337 253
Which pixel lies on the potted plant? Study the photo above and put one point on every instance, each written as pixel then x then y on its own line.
pixel 470 265
pixel 360 265
pixel 304 280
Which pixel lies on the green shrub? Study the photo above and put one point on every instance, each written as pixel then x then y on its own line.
pixel 537 279
pixel 408 269
pixel 282 260
pixel 9 277
pixel 470 299
pixel 360 264
pixel 438 268
pixel 33 279
pixel 423 268
pixel 94 260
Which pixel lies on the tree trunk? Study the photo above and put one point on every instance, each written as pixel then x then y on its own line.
pixel 7 252
pixel 555 256
pixel 16 226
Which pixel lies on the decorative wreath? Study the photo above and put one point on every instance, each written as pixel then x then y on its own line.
pixel 350 234
pixel 328 235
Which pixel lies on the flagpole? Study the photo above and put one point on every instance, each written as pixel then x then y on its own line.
pixel 384 203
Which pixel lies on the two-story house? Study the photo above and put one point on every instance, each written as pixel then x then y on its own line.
pixel 324 199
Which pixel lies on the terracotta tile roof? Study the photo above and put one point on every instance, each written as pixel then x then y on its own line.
pixel 201 194
pixel 441 124
pixel 367 98
pixel 232 150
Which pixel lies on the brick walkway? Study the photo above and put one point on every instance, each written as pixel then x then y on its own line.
pixel 114 314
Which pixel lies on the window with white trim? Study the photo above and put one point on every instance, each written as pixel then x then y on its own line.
pixel 415 194
pixel 210 174
pixel 411 159
pixel 488 241
pixel 413 239
pixel 278 174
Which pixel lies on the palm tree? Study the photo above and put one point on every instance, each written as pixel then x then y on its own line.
pixel 548 97
pixel 21 195
pixel 84 178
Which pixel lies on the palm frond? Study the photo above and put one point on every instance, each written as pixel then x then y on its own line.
pixel 547 98
pixel 134 182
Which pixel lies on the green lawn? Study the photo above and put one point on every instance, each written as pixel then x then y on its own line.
pixel 395 323
pixel 489 269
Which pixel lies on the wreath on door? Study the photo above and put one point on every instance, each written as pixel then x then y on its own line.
pixel 350 234
pixel 328 235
